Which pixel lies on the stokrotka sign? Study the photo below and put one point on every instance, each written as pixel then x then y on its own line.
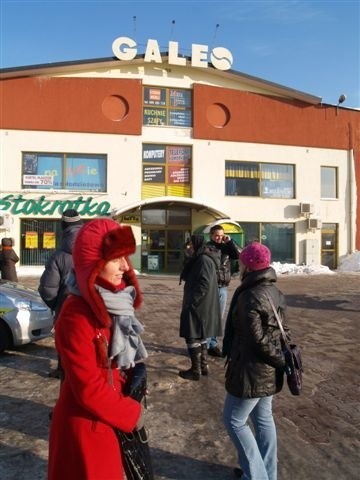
pixel 125 48
pixel 17 205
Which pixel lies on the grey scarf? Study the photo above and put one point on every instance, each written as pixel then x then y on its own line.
pixel 126 346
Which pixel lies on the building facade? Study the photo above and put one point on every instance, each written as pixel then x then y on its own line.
pixel 173 149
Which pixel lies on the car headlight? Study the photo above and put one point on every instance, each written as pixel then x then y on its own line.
pixel 30 305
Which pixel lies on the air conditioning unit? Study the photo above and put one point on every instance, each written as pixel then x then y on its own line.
pixel 314 223
pixel 5 221
pixel 306 208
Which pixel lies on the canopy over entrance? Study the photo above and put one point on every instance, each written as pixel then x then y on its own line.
pixel 168 202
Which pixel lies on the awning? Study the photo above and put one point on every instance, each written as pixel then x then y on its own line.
pixel 166 202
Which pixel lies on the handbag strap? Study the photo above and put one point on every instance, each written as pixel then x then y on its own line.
pixel 283 334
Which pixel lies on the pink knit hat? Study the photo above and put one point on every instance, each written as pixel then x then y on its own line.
pixel 255 256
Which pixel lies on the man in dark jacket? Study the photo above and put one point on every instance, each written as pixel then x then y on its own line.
pixel 228 250
pixel 53 282
pixel 200 315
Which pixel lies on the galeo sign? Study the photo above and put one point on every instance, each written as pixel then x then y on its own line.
pixel 19 205
pixel 124 48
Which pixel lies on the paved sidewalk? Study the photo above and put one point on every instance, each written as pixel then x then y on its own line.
pixel 318 432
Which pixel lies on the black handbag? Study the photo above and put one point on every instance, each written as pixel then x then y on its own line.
pixel 134 446
pixel 292 355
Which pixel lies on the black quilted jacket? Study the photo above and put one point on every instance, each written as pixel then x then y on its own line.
pixel 252 338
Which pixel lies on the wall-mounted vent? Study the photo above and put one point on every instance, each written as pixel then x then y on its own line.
pixel 314 223
pixel 306 208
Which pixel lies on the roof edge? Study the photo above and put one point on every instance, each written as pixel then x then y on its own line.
pixel 56 67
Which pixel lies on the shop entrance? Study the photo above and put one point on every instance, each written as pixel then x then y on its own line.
pixel 163 236
pixel 162 250
pixel 329 245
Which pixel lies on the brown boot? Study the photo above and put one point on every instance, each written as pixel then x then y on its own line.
pixel 194 371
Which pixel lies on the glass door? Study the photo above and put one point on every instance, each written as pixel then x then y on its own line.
pixel 162 249
pixel 164 232
pixel 329 245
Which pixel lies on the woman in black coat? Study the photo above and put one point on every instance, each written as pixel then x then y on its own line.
pixel 8 259
pixel 256 363
pixel 200 315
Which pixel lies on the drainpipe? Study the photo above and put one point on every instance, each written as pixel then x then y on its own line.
pixel 352 200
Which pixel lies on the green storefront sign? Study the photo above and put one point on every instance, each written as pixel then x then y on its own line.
pixel 17 205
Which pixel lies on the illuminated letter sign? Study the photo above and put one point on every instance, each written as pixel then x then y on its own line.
pixel 125 48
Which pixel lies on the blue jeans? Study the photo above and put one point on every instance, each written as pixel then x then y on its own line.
pixel 257 454
pixel 212 342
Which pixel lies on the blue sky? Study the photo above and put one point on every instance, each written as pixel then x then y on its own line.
pixel 311 46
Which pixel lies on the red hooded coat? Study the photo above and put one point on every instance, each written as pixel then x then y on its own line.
pixel 82 443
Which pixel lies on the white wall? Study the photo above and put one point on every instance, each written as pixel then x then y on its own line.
pixel 124 175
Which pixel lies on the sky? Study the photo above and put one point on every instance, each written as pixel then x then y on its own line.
pixel 308 45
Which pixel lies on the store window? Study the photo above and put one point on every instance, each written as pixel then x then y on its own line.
pixel 166 170
pixel 329 182
pixel 167 107
pixel 279 237
pixel 267 180
pixel 64 171
pixel 39 239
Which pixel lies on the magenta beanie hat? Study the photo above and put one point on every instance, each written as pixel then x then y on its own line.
pixel 255 256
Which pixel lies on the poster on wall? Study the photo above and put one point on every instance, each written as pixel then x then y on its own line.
pixel 153 174
pixel 31 240
pixel 153 262
pixel 30 163
pixel 154 153
pixel 154 96
pixel 49 240
pixel 178 175
pixel 180 98
pixel 154 116
pixel 179 154
pixel 180 118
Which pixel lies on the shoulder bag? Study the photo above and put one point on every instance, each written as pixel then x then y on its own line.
pixel 135 445
pixel 292 357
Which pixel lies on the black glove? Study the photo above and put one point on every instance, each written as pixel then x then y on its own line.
pixel 138 383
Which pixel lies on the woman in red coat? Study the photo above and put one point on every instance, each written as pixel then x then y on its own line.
pixel 83 445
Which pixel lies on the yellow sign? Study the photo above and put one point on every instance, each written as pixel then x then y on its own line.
pixel 31 240
pixel 49 240
pixel 130 218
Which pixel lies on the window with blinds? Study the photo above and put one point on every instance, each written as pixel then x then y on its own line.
pixel 253 179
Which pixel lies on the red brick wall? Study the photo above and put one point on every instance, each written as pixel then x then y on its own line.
pixel 71 104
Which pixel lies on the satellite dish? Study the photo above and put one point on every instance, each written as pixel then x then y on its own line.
pixel 342 99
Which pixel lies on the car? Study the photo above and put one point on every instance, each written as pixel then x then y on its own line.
pixel 24 317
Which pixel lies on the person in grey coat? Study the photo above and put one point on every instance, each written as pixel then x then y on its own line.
pixel 53 286
pixel 200 315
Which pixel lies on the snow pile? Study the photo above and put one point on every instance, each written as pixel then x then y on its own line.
pixel 350 263
pixel 292 269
